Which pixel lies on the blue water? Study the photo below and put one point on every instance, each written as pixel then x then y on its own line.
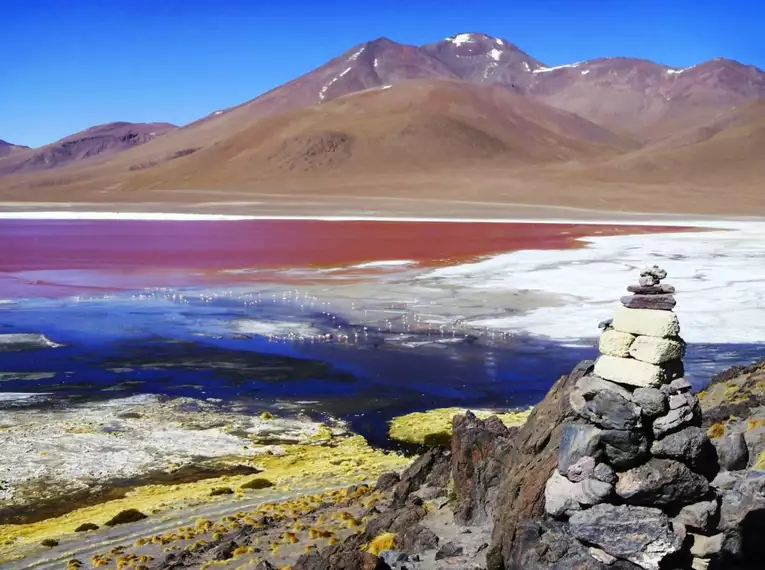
pixel 125 346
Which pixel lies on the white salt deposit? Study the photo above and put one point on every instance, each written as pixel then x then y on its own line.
pixel 495 54
pixel 719 276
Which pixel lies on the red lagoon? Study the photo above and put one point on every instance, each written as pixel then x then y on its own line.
pixel 55 257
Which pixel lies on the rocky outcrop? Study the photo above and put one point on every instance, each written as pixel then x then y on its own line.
pixel 527 461
pixel 476 473
pixel 638 425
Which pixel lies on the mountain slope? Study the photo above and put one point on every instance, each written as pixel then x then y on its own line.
pixel 414 126
pixel 100 140
pixel 7 148
pixel 727 152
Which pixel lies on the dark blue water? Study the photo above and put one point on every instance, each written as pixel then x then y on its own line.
pixel 123 346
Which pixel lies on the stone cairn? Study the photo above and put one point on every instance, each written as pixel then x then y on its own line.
pixel 634 468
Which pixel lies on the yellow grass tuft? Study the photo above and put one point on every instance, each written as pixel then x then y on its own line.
pixel 716 431
pixel 383 542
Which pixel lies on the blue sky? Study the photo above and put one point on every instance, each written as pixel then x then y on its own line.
pixel 70 65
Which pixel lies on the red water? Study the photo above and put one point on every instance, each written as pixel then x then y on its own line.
pixel 62 257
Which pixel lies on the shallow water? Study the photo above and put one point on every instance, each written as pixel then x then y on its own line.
pixel 404 337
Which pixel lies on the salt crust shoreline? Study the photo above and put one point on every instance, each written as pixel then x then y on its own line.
pixel 643 220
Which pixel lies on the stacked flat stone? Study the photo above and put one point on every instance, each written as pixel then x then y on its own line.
pixel 634 470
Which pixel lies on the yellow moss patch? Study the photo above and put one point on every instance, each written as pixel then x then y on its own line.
pixel 716 430
pixel 381 543
pixel 760 463
pixel 344 460
pixel 731 389
pixel 435 426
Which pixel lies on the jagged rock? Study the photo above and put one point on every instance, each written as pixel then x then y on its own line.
pixel 677 418
pixel 433 464
pixel 646 322
pixel 652 401
pixel 562 497
pixel 475 474
pixel 604 472
pixel 417 539
pixel 661 482
pixel 527 464
pixel 706 546
pixel 651 290
pixel 640 535
pixel 677 386
pixel 346 555
pixel 654 271
pixel 623 448
pixel 653 302
pixel 387 481
pixel 396 520
pixel 608 409
pixel 699 517
pixel 577 441
pixel 732 451
pixel 548 545
pixel 265 565
pixel 648 281
pixel 223 551
pixel 581 470
pixel 690 445
pixel 656 350
pixel 629 371
pixel 449 550
pixel 615 343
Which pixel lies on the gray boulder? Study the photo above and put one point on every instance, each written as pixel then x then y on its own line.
pixel 624 449
pixel 661 482
pixel 640 535
pixel 563 497
pixel 699 517
pixel 732 451
pixel 677 386
pixel 604 472
pixel 686 412
pixel 607 408
pixel 652 401
pixel 577 441
pixel 691 446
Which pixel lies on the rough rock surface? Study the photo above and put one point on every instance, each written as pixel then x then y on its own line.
pixel 527 464
pixel 475 475
pixel 640 535
pixel 661 482
pixel 623 448
pixel 616 343
pixel 652 401
pixel 656 350
pixel 630 371
pixel 646 322
pixel 562 497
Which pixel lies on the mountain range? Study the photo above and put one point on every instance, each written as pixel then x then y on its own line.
pixel 385 115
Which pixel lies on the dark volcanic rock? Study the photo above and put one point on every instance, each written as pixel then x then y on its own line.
pixel 605 404
pixel 395 520
pixel 387 481
pixel 577 441
pixel 656 302
pixel 475 474
pixel 691 446
pixel 604 472
pixel 527 462
pixel 347 555
pixel 417 538
pixel 700 517
pixel 624 449
pixel 652 402
pixel 543 545
pixel 432 467
pixel 639 534
pixel 661 482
